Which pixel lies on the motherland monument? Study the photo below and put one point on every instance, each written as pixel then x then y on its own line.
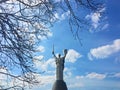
pixel 60 60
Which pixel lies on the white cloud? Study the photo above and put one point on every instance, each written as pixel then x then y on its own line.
pixel 56 15
pixel 44 65
pixel 73 82
pixel 79 77
pixel 3 77
pixel 45 35
pixel 105 51
pixel 72 56
pixel 62 16
pixel 105 26
pixel 76 85
pixel 45 79
pixel 95 17
pixel 50 62
pixel 37 58
pixel 67 73
pixel 97 82
pixel 83 81
pixel 117 75
pixel 6 79
pixel 94 75
pixel 40 49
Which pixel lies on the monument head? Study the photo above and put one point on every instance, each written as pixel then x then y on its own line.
pixel 59 55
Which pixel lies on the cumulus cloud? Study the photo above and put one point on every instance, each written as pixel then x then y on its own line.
pixel 43 65
pixel 6 80
pixel 40 49
pixel 62 16
pixel 37 58
pixel 76 85
pixel 45 79
pixel 72 56
pixel 105 51
pixel 92 75
pixel 73 82
pixel 47 33
pixel 82 81
pixel 3 77
pixel 92 79
pixel 95 18
pixel 117 75
pixel 67 73
pixel 79 77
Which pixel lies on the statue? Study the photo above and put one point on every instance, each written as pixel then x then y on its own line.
pixel 59 64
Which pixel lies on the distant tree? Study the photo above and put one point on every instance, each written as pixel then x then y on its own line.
pixel 23 23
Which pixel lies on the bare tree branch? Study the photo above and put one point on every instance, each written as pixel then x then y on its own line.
pixel 23 23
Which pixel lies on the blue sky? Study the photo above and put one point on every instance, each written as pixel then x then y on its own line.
pixel 93 66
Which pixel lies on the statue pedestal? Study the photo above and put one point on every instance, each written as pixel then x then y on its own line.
pixel 59 85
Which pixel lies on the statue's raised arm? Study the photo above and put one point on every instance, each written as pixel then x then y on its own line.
pixel 65 52
pixel 53 52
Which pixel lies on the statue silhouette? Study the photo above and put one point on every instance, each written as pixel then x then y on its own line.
pixel 59 64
